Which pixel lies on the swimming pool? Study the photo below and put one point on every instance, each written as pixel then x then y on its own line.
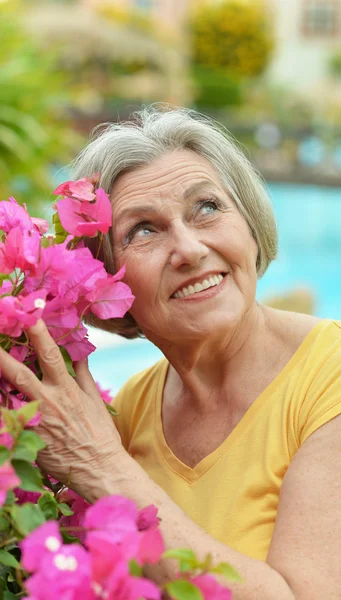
pixel 309 224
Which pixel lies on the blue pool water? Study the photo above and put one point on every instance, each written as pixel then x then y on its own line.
pixel 309 224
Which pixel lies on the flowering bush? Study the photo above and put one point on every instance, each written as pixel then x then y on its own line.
pixel 53 544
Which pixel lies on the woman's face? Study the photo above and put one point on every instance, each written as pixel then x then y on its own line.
pixel 189 255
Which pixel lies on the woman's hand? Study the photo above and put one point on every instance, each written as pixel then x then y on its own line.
pixel 82 442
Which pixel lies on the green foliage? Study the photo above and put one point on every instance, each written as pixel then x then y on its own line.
pixel 335 65
pixel 31 479
pixel 65 509
pixel 34 133
pixel 234 35
pixel 28 446
pixel 181 589
pixel 48 505
pixel 9 560
pixel 27 517
pixel 215 88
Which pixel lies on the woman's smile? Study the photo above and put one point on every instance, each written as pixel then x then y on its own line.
pixel 207 287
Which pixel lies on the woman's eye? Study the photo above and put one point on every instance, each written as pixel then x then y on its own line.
pixel 208 206
pixel 140 230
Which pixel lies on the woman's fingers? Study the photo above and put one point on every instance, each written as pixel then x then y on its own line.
pixel 50 359
pixel 85 379
pixel 20 377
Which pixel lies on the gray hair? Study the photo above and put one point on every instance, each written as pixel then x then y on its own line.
pixel 148 135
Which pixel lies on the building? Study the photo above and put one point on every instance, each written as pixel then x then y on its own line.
pixel 308 35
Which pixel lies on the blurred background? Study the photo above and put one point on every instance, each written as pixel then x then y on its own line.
pixel 269 70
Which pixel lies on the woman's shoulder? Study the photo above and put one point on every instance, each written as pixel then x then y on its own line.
pixel 293 328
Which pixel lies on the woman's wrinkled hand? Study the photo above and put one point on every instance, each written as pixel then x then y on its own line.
pixel 80 436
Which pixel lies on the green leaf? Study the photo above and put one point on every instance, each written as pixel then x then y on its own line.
pixel 4 454
pixel 227 570
pixel 29 410
pixel 186 557
pixel 135 569
pixel 65 509
pixel 49 506
pixel 67 360
pixel 31 479
pixel 27 517
pixel 9 560
pixel 10 419
pixel 28 446
pixel 111 410
pixel 10 498
pixel 9 596
pixel 4 524
pixel 183 590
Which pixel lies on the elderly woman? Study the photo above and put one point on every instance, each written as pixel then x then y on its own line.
pixel 235 434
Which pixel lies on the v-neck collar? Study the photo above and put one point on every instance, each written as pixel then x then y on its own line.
pixel 193 474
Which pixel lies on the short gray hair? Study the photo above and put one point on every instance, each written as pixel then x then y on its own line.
pixel 148 135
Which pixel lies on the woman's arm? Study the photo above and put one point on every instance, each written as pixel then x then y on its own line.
pixel 304 558
pixel 84 447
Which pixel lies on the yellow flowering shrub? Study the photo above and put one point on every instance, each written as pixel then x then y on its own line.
pixel 232 34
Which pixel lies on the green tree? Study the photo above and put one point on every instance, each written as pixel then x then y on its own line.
pixel 233 35
pixel 34 132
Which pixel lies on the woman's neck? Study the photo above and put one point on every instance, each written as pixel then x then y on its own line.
pixel 202 369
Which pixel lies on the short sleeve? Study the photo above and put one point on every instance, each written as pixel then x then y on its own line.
pixel 323 397
pixel 121 404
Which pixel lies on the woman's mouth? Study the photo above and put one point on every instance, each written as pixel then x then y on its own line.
pixel 212 281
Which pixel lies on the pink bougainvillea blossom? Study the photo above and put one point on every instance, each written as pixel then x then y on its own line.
pixel 85 218
pixel 45 539
pixel 147 518
pixel 115 514
pixel 106 395
pixel 111 298
pixel 210 588
pixel 19 251
pixel 13 215
pixel 151 547
pixel 8 480
pixel 63 575
pixel 79 506
pixel 40 224
pixel 22 496
pixel 6 439
pixel 19 312
pixel 82 189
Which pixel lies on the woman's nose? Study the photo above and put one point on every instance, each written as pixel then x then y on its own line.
pixel 187 248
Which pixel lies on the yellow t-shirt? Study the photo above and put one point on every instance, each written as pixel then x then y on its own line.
pixel 233 493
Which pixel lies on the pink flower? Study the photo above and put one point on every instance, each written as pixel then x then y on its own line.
pixel 151 547
pixel 19 352
pixel 40 224
pixel 114 514
pixel 45 539
pixel 19 312
pixel 111 298
pixel 63 575
pixel 82 189
pixel 85 218
pixel 79 507
pixel 106 394
pixel 13 215
pixel 20 250
pixel 147 518
pixel 8 480
pixel 23 497
pixel 210 588
pixel 111 578
pixel 5 438
pixel 54 266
